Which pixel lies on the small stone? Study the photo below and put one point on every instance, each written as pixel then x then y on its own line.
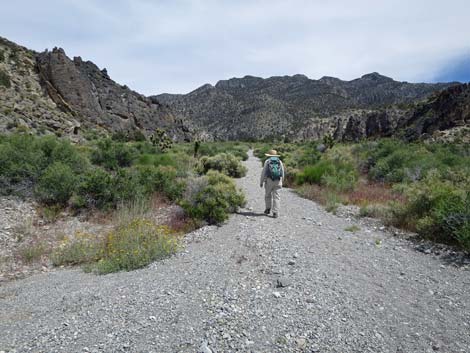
pixel 282 282
pixel 296 255
pixel 277 294
pixel 204 348
pixel 427 251
pixel 291 262
pixel 301 343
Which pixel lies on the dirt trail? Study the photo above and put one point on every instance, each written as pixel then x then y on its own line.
pixel 257 284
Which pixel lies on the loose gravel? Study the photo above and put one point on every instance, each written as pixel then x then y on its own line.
pixel 298 283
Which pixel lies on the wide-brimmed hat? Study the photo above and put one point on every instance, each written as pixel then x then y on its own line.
pixel 272 153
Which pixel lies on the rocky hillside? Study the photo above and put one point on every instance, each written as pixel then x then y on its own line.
pixel 297 107
pixel 49 92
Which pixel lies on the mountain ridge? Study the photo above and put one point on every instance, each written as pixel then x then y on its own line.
pixel 295 107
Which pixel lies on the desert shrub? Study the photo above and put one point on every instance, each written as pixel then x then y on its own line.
pixel 134 245
pixel 96 189
pixel 225 163
pixel 212 198
pixel 82 248
pixel 342 179
pixel 336 170
pixel 314 174
pixel 395 161
pixel 211 149
pixel 112 155
pixel 57 184
pixel 4 79
pixel 32 251
pixel 161 179
pixel 437 209
pixel 20 158
pixel 57 150
pixel 127 185
pixel 379 211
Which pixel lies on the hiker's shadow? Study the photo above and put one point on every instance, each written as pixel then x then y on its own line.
pixel 251 214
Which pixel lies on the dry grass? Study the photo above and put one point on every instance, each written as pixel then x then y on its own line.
pixel 367 193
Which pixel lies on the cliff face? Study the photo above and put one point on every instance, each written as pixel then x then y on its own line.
pixel 446 114
pixel 91 94
pixel 49 92
pixel 297 107
pixel 23 99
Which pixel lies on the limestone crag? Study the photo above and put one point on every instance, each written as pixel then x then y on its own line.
pixel 50 93
pixel 24 103
pixel 445 115
pixel 90 93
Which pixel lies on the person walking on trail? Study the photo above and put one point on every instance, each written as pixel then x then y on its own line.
pixel 271 177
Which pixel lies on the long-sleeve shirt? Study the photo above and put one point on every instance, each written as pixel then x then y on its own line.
pixel 264 173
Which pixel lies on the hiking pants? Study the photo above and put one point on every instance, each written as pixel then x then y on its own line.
pixel 272 198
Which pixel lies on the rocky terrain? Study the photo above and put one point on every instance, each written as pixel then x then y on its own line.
pixel 49 92
pixel 299 108
pixel 298 283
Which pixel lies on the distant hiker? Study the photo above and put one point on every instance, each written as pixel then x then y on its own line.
pixel 271 177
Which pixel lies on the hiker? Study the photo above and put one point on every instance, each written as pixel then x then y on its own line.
pixel 271 177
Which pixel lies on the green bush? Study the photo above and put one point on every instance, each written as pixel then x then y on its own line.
pixel 113 155
pixel 20 158
pixel 212 198
pixel 97 189
pixel 161 179
pixel 225 163
pixel 314 174
pixel 127 185
pixel 437 209
pixel 211 149
pixel 57 184
pixel 395 161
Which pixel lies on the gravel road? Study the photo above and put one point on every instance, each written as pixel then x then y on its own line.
pixel 298 283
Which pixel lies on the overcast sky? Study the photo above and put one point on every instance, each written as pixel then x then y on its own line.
pixel 176 46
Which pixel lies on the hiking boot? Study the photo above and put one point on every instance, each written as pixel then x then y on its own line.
pixel 274 215
pixel 267 211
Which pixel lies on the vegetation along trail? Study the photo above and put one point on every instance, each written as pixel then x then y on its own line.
pixel 300 282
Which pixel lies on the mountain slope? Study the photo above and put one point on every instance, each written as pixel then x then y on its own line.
pixel 293 106
pixel 49 92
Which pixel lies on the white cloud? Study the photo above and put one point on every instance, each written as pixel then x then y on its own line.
pixel 176 46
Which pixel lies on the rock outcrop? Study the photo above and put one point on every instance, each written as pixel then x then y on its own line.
pixel 24 103
pixel 90 93
pixel 49 92
pixel 444 115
